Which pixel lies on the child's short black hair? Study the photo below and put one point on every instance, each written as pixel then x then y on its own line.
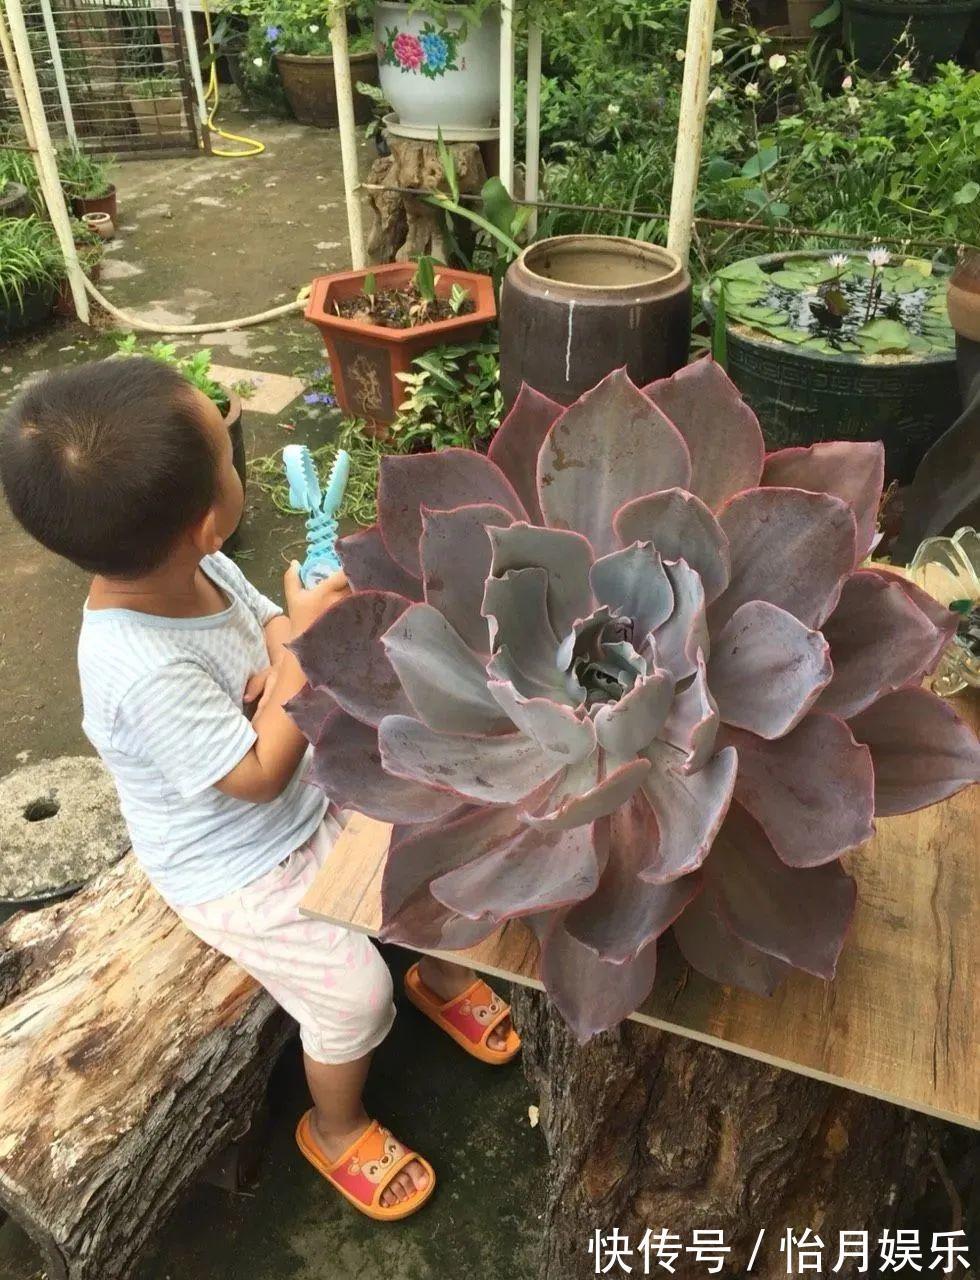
pixel 107 464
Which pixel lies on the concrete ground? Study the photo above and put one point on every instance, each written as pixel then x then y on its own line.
pixel 205 238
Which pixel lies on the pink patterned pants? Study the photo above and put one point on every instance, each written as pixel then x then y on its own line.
pixel 332 981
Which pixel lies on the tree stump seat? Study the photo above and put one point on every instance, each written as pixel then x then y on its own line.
pixel 130 1055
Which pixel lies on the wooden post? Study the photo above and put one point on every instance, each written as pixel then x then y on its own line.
pixel 10 58
pixel 348 131
pixel 44 159
pixel 507 94
pixel 690 128
pixel 532 126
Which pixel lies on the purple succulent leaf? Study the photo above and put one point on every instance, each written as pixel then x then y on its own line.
pixel 347 766
pixel 792 548
pixel 767 669
pixel 685 633
pixel 518 441
pixel 798 916
pixel 342 653
pixel 681 527
pixel 627 727
pixel 581 796
pixel 721 431
pixel 503 669
pixel 497 770
pixel 812 792
pixel 692 724
pixel 440 482
pixel 309 710
pixel 610 446
pixel 368 565
pixel 626 913
pixel 709 946
pixel 921 750
pixel 555 728
pixel 564 555
pixel 592 995
pixel 851 470
pixel 516 608
pixel 880 640
pixel 538 871
pixel 634 582
pixel 942 618
pixel 455 553
pixel 446 683
pixel 585 639
pixel 689 809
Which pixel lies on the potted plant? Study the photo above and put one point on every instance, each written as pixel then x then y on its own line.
pixel 303 58
pixel 91 249
pixel 439 64
pixel 936 29
pixel 15 200
pixel 374 323
pixel 85 182
pixel 158 104
pixel 196 368
pixel 31 266
pixel 857 348
pixel 20 191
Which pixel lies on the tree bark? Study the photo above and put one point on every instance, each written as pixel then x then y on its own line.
pixel 647 1129
pixel 129 1054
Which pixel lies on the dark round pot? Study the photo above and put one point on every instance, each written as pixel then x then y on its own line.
pixel 21 317
pixel 871 28
pixel 802 397
pixel 307 80
pixel 15 201
pixel 574 308
pixel 81 205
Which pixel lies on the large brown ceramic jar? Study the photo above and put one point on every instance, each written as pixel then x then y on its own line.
pixel 574 308
pixel 963 298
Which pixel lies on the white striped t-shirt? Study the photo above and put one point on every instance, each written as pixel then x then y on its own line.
pixel 162 702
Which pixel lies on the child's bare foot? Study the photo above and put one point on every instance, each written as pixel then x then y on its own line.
pixel 448 980
pixel 333 1145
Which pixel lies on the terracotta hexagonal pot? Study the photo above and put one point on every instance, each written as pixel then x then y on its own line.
pixel 366 358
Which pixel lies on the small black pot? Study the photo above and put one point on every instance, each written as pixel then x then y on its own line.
pixel 15 201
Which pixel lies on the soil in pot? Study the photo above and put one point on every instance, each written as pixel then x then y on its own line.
pixel 308 83
pixel 399 308
pixel 576 307
pixel 106 203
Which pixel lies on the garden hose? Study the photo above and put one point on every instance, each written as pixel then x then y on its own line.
pixel 218 326
pixel 253 148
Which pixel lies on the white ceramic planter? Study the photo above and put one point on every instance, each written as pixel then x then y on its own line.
pixel 431 76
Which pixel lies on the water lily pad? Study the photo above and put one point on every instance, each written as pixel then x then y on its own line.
pixel 881 337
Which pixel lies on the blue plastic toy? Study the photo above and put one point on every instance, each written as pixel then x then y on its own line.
pixel 321 527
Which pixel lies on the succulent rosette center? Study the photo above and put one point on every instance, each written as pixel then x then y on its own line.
pixel 626 675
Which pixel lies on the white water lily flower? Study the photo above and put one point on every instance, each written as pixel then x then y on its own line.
pixel 752 90
pixel 879 256
pixel 679 54
pixel 839 261
pixel 716 57
pixel 777 62
pixel 716 94
pixel 756 50
pixel 847 84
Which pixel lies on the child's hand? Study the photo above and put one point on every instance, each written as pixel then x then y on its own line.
pixel 304 605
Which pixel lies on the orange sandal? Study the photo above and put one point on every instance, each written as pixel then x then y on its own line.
pixel 468 1018
pixel 366 1168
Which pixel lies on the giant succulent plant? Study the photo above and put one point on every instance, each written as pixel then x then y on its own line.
pixel 623 675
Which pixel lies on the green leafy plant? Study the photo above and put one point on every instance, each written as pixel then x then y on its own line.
pixel 453 398
pixel 863 306
pixel 195 366
pixel 159 86
pixel 18 166
pixel 458 298
pixel 30 259
pixel 82 174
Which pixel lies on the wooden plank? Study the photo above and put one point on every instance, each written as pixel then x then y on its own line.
pixel 901 1021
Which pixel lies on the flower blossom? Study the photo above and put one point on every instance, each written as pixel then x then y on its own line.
pixel 879 256
pixel 777 62
pixel 716 57
pixel 716 94
pixel 752 90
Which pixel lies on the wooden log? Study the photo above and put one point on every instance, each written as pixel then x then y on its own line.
pixel 650 1130
pixel 130 1053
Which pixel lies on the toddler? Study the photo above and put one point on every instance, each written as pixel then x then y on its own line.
pixel 126 470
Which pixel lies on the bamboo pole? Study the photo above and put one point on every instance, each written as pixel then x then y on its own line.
pixel 348 132
pixel 16 83
pixel 507 94
pixel 690 128
pixel 59 71
pixel 44 159
pixel 194 62
pixel 532 126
